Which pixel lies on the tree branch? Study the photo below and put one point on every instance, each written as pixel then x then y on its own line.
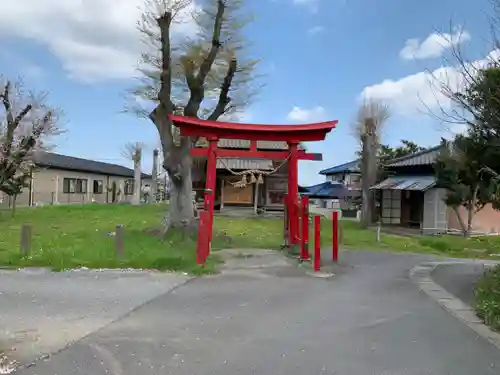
pixel 159 116
pixel 8 113
pixel 216 43
pixel 198 89
pixel 224 98
pixel 164 94
pixel 12 123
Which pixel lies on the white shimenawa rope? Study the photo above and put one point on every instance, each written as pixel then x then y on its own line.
pixel 252 172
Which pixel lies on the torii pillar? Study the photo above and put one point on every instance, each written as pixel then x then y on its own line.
pixel 293 194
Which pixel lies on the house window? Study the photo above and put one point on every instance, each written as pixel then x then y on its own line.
pixel 355 179
pixel 69 185
pixel 74 185
pixel 97 186
pixel 129 187
pixel 81 186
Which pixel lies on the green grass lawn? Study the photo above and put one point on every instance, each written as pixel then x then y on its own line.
pixel 76 236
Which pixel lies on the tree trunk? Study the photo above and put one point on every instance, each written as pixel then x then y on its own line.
pixel 14 206
pixel 154 181
pixel 368 176
pixel 181 210
pixel 136 198
pixel 471 210
pixel 461 221
pixel 469 221
pixel 365 208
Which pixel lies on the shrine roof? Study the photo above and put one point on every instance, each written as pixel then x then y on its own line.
pixel 245 144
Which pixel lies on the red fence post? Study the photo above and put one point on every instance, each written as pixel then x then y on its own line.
pixel 203 240
pixel 335 237
pixel 304 254
pixel 286 224
pixel 317 243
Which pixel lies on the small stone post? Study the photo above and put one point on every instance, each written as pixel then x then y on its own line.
pixel 25 243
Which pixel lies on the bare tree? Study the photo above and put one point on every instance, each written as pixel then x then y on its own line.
pixel 204 76
pixel 371 118
pixel 27 124
pixel 133 152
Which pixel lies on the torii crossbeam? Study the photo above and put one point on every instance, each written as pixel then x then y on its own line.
pixel 291 134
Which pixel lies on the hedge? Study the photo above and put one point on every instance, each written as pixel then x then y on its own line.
pixel 487 297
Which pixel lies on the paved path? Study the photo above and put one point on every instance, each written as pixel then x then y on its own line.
pixel 459 279
pixel 369 319
pixel 42 312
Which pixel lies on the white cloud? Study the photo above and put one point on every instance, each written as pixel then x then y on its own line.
pixel 243 116
pixel 433 46
pixel 313 5
pixel 316 30
pixel 93 39
pixel 420 92
pixel 304 115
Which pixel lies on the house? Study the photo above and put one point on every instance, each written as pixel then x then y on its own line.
pixel 265 192
pixel 409 197
pixel 65 179
pixel 326 190
pixel 347 174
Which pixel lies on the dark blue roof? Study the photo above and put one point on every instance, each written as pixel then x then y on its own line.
pixel 327 189
pixel 70 163
pixel 352 166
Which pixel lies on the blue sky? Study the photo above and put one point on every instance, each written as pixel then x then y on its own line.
pixel 319 57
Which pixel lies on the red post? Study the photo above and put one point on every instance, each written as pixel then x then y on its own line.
pixel 293 192
pixel 203 238
pixel 335 228
pixel 210 183
pixel 304 254
pixel 317 243
pixel 286 222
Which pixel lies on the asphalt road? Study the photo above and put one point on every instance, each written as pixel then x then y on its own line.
pixel 369 319
pixel 459 279
pixel 42 312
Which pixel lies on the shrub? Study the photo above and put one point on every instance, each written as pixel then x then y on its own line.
pixel 487 298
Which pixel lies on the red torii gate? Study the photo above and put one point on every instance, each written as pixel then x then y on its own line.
pixel 292 134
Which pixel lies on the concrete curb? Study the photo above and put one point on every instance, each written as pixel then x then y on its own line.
pixel 421 275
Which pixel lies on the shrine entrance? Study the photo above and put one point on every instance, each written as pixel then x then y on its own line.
pixel 213 131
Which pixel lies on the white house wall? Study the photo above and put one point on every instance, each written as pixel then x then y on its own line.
pixel 435 212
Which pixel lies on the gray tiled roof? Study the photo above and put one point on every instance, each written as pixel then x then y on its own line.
pixel 245 164
pixel 349 167
pixel 417 183
pixel 70 163
pixel 426 157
